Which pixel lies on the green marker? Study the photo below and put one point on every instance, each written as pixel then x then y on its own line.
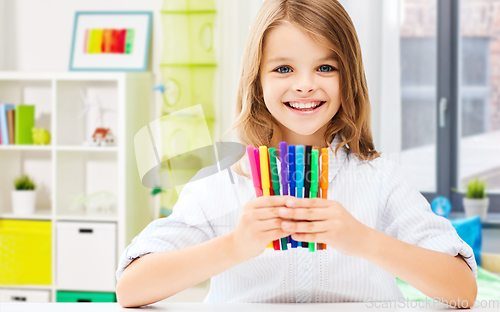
pixel 314 173
pixel 275 179
pixel 314 184
pixel 275 185
pixel 129 41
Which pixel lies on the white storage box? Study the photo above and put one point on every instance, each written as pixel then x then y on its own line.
pixel 24 295
pixel 86 256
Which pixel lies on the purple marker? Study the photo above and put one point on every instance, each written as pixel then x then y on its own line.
pixel 284 168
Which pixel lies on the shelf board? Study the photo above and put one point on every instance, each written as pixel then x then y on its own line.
pixel 26 147
pixel 45 215
pixel 85 217
pixel 69 76
pixel 78 148
pixel 34 287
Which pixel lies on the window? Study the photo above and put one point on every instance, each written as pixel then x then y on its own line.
pixel 450 96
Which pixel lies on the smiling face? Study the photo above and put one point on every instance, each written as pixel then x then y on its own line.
pixel 300 84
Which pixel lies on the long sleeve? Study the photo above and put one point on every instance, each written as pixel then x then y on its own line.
pixel 186 226
pixel 408 217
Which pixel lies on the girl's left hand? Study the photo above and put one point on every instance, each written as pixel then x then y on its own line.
pixel 326 221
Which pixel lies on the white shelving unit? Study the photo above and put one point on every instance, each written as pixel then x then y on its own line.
pixel 66 168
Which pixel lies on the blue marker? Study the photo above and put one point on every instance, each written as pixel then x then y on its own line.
pixel 291 169
pixel 291 180
pixel 299 169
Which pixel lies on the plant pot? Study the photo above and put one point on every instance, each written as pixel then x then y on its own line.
pixel 23 202
pixel 476 207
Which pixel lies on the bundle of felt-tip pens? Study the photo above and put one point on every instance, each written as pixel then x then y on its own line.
pixel 304 174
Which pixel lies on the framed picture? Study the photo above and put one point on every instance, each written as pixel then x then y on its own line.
pixel 111 41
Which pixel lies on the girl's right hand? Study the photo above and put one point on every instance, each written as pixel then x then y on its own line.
pixel 259 225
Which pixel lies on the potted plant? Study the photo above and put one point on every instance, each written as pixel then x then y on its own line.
pixel 475 200
pixel 24 196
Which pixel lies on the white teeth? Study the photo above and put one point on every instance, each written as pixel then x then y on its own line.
pixel 304 105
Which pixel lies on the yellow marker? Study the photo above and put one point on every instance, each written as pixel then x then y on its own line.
pixel 264 176
pixel 264 170
pixel 95 41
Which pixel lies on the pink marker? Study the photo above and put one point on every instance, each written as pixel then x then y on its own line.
pixel 257 168
pixel 86 41
pixel 253 169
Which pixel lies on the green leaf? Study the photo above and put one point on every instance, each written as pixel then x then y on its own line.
pixel 476 189
pixel 24 182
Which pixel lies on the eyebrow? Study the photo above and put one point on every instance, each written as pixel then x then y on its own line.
pixel 286 59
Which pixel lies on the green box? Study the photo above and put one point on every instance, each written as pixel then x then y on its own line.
pixel 188 38
pixel 188 5
pixel 187 86
pixel 74 296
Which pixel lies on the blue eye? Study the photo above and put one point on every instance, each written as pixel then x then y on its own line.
pixel 286 71
pixel 326 68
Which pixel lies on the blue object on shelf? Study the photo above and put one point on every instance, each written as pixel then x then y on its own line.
pixel 165 212
pixel 469 230
pixel 441 206
pixel 160 88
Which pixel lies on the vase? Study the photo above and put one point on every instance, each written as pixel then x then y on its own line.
pixel 23 202
pixel 476 207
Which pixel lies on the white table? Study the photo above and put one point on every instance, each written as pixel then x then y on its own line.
pixel 238 307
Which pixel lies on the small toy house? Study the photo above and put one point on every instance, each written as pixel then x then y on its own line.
pixel 103 137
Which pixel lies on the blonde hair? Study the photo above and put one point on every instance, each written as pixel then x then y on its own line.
pixel 329 24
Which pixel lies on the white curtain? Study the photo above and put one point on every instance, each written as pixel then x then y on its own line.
pixel 3 29
pixel 377 25
pixel 234 18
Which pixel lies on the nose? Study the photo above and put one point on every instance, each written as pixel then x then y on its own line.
pixel 304 84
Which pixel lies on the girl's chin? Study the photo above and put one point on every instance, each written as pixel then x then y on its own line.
pixel 304 132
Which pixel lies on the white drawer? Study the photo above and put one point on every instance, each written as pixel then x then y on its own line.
pixel 86 256
pixel 24 295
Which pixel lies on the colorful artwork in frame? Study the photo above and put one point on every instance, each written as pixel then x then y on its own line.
pixel 111 41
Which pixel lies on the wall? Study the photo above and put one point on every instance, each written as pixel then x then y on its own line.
pixel 39 37
pixel 40 32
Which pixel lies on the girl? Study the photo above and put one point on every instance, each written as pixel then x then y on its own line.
pixel 302 81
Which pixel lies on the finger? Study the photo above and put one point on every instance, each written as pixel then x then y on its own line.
pixel 277 234
pixel 270 224
pixel 309 214
pixel 267 213
pixel 309 237
pixel 308 202
pixel 269 201
pixel 305 226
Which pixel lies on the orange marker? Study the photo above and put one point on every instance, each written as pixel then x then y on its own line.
pixel 324 172
pixel 324 181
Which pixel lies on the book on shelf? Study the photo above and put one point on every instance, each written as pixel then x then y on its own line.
pixel 4 108
pixel 10 122
pixel 24 122
pixel 16 124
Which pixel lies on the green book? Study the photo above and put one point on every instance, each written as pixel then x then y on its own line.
pixel 24 122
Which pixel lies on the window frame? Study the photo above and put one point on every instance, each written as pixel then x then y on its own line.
pixel 448 87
